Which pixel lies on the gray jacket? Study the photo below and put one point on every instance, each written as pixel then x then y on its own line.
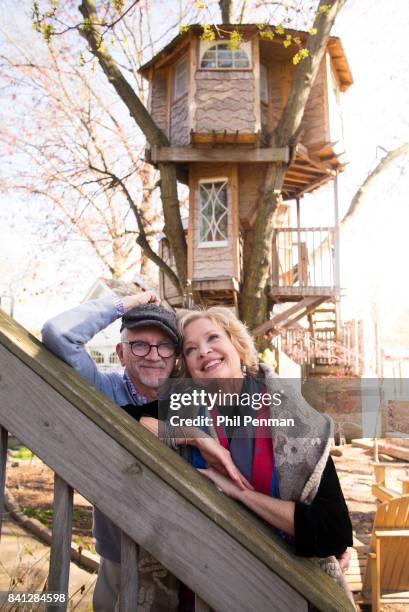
pixel 66 336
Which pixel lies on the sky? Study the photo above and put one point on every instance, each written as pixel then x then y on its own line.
pixel 374 34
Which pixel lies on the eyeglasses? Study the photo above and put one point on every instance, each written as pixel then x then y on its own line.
pixel 142 349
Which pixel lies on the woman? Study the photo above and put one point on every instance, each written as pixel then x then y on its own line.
pixel 295 487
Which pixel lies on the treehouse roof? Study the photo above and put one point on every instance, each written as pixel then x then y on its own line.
pixel 176 47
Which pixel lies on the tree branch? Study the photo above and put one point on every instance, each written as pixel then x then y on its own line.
pixel 173 224
pixel 142 240
pixel 384 163
pixel 306 71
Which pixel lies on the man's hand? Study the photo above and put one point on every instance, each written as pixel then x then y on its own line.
pixel 344 560
pixel 220 459
pixel 145 297
pixel 150 424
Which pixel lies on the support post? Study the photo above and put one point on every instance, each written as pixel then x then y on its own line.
pixel 60 557
pixel 200 605
pixel 337 271
pixel 300 256
pixel 128 595
pixel 3 462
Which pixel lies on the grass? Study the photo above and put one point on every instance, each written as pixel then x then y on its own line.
pixel 44 516
pixel 22 452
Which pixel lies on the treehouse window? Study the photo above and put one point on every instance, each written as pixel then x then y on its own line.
pixel 221 56
pixel 213 213
pixel 263 83
pixel 180 80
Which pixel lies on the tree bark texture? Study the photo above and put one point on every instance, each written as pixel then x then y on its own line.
pixel 225 9
pixel 258 269
pixel 92 32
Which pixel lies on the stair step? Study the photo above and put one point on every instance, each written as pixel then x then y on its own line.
pixel 325 309
pixel 319 330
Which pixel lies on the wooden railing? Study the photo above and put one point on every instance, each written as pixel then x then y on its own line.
pixel 223 553
pixel 304 257
pixel 301 346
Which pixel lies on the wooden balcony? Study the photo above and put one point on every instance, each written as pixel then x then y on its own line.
pixel 304 263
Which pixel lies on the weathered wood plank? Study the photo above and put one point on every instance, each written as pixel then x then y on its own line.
pixel 131 445
pixel 200 605
pixel 184 540
pixel 128 596
pixel 221 154
pixel 59 573
pixel 3 462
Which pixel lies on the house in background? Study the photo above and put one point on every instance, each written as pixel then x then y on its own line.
pixel 102 346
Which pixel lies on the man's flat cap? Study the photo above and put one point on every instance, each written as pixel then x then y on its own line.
pixel 146 315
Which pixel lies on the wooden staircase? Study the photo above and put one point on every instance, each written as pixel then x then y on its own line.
pixel 324 329
pixel 227 556
pixel 288 316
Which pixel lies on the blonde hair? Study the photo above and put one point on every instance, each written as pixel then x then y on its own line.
pixel 234 328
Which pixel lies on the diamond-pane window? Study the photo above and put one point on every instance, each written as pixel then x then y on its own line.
pixel 213 213
pixel 221 56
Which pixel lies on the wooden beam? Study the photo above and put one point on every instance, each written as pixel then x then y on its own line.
pixel 60 557
pixel 128 594
pixel 66 422
pixel 191 221
pixel 144 504
pixel 235 221
pixel 220 154
pixel 193 55
pixel 255 50
pixel 303 152
pixel 283 316
pixel 169 93
pixel 315 185
pixel 3 462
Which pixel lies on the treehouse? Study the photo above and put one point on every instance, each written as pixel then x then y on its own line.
pixel 217 105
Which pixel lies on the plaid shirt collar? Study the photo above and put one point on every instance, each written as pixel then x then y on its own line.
pixel 140 399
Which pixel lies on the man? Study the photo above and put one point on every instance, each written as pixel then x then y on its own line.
pixel 149 344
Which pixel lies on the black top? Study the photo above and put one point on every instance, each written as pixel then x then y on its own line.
pixel 322 528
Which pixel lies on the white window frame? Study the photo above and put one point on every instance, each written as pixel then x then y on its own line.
pixel 263 83
pixel 245 46
pixel 213 243
pixel 175 93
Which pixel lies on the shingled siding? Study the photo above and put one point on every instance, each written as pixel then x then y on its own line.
pixel 179 127
pixel 159 99
pixel 314 126
pixel 224 101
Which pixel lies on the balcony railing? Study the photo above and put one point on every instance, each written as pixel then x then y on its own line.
pixel 304 258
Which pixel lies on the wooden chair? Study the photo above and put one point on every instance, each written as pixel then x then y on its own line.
pixel 386 579
pixel 379 488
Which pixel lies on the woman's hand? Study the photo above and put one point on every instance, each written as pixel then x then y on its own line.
pixel 220 459
pixel 223 483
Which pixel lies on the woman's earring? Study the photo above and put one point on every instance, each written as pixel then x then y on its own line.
pixel 244 369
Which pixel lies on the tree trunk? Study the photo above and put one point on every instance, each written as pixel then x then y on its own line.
pixel 168 185
pixel 257 272
pixel 226 10
pixel 255 308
